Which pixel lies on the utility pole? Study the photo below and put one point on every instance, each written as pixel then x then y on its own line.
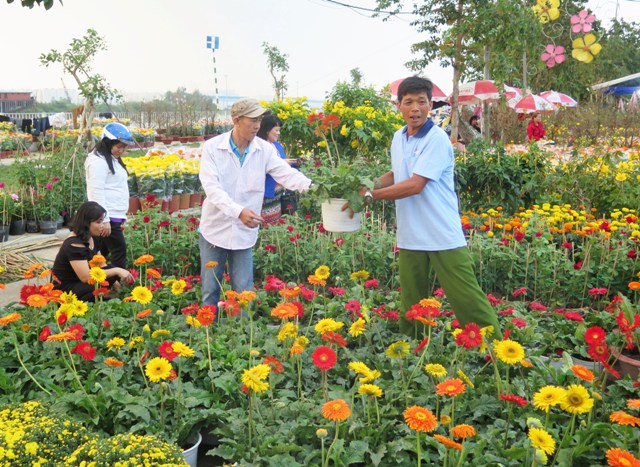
pixel 213 43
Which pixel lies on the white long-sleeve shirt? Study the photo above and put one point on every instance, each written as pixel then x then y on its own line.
pixel 109 190
pixel 231 187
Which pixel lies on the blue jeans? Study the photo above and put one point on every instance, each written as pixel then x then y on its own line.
pixel 240 270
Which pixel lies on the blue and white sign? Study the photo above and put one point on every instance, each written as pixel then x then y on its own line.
pixel 213 42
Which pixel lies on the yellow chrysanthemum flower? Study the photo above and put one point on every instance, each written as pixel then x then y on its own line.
pixel 158 369
pixel 253 378
pixel 370 390
pixel 357 327
pixel 182 349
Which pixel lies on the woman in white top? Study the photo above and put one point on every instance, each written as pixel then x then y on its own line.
pixel 106 177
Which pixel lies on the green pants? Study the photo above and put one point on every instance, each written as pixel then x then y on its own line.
pixel 454 270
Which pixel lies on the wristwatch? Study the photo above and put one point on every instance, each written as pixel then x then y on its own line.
pixel 368 197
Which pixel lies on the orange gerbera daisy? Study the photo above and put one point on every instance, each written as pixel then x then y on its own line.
pixel 211 264
pixel 582 372
pixel 448 442
pixel 420 419
pixel 285 311
pixel 113 362
pixel 10 318
pixel 37 300
pixel 46 288
pixel 45 273
pixel 153 273
pixel 450 387
pixel 337 410
pixel 62 336
pixel 463 431
pixel 206 315
pixel 28 275
pixel 633 403
pixel 315 280
pixel 3 286
pixel 144 259
pixel 617 457
pixel 623 418
pixel 97 261
pixel 290 292
pixel 143 313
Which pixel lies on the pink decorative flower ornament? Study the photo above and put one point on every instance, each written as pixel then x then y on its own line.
pixel 553 55
pixel 582 22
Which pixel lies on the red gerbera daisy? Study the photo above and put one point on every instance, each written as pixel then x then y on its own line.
pixel 324 357
pixel 46 332
pixel 598 351
pixel 84 349
pixel 521 401
pixel 334 338
pixel 166 350
pixel 274 363
pixel 594 335
pixel 470 336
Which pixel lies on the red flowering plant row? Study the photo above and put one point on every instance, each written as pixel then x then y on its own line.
pixel 315 372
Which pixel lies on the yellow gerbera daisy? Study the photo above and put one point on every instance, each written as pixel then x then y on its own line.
pixel 191 321
pixel 541 439
pixel 177 288
pixel 288 330
pixel 370 390
pixel 160 332
pixel 357 327
pixel 547 397
pixel 98 275
pixel 435 369
pixel 141 294
pixel 322 272
pixel 360 275
pixel 576 400
pixel 510 352
pixel 327 325
pixel 182 349
pixel 158 369
pixel 397 349
pixel 253 378
pixel 115 343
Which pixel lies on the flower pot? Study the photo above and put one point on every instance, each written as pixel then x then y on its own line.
pixel 48 227
pixel 627 364
pixel 59 222
pixel 185 199
pixel 191 454
pixel 195 199
pixel 334 219
pixel 17 227
pixel 134 205
pixel 4 233
pixel 32 226
pixel 174 203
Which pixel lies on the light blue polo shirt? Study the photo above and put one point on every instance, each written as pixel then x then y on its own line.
pixel 429 220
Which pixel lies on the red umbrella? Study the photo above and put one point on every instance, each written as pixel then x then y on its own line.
pixel 531 103
pixel 477 92
pixel 510 92
pixel 558 98
pixel 436 94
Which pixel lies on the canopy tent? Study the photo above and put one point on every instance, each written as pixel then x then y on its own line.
pixel 621 86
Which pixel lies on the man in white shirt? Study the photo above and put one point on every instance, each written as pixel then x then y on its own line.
pixel 232 173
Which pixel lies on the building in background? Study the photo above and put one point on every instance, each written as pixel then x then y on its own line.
pixel 11 101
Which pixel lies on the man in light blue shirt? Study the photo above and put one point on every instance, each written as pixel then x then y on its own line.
pixel 430 237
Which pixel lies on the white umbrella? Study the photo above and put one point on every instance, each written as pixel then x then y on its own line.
pixel 559 98
pixel 476 92
pixel 531 103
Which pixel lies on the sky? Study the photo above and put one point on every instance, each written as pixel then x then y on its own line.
pixel 159 45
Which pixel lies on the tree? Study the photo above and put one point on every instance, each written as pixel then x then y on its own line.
pixel 277 63
pixel 30 3
pixel 76 61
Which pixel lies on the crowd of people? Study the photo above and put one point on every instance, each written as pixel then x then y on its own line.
pixel 246 179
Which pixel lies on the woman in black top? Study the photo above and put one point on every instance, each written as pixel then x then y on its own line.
pixel 71 266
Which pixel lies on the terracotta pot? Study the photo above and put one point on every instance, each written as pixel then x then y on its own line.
pixel 134 205
pixel 195 200
pixel 185 199
pixel 174 203
pixel 165 205
pixel 627 364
